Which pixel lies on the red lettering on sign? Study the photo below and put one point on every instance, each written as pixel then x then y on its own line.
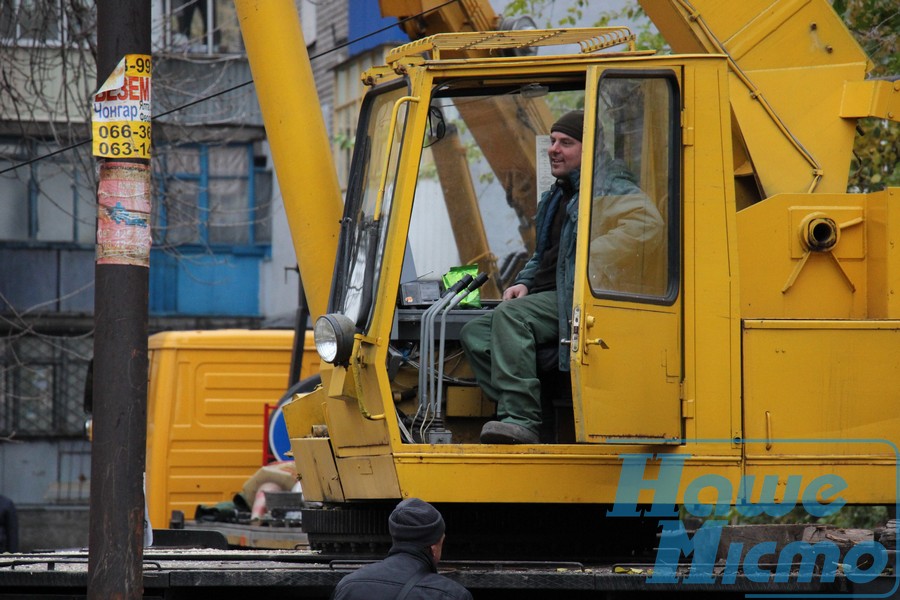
pixel 145 88
pixel 134 89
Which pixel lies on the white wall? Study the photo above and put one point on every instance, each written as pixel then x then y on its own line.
pixel 278 287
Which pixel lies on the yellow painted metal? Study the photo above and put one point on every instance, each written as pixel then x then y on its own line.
pixel 590 39
pixel 713 363
pixel 871 98
pixel 313 455
pixel 789 62
pixel 626 361
pixel 579 474
pixel 356 462
pixel 350 424
pixel 296 133
pixel 820 256
pixel 587 474
pixel 883 254
pixel 711 330
pixel 623 387
pixel 358 442
pixel 368 477
pixel 432 16
pixel 870 479
pixel 467 402
pixel 206 413
pixel 353 429
pixel 836 374
pixel 315 460
pixel 392 129
pixel 340 384
pixel 305 413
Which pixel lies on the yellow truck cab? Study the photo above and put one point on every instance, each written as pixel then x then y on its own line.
pixel 206 412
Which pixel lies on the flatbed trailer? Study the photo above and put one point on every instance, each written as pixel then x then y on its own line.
pixel 174 574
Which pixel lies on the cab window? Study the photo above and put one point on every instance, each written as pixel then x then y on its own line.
pixel 634 189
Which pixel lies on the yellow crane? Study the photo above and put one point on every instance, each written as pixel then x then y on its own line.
pixel 752 341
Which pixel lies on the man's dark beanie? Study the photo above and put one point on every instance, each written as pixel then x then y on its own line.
pixel 417 522
pixel 571 124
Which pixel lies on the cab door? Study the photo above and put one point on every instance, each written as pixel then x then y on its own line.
pixel 627 316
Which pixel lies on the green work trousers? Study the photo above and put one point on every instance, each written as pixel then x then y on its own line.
pixel 501 347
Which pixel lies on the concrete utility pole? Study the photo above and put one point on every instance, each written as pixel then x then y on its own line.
pixel 121 141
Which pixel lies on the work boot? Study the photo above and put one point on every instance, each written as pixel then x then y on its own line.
pixel 498 432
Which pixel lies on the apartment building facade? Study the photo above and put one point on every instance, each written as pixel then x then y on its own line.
pixel 221 256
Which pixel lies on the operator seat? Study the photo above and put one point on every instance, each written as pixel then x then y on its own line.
pixel 558 419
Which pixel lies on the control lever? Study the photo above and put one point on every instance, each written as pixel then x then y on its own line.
pixel 426 344
pixel 438 434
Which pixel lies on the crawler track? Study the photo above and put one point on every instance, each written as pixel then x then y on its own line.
pixel 549 532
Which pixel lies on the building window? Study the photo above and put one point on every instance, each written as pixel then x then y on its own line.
pixel 198 27
pixel 42 385
pixel 51 200
pixel 215 196
pixel 45 22
pixel 348 94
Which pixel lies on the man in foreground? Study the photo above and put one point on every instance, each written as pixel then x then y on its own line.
pixel 410 570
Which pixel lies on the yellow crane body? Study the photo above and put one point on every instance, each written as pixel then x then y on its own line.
pixel 743 357
pixel 749 334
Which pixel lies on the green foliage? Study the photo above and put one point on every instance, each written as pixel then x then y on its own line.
pixel 578 12
pixel 648 37
pixel 876 26
pixel 876 154
pixel 343 140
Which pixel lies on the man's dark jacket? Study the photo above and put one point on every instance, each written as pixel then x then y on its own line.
pixel 9 526
pixel 385 579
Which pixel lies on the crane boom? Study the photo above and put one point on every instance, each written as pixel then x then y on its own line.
pixel 789 63
pixel 296 132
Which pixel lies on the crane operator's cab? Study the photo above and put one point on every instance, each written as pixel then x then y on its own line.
pixel 449 163
pixel 480 172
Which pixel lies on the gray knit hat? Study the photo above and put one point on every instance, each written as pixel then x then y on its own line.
pixel 571 124
pixel 417 522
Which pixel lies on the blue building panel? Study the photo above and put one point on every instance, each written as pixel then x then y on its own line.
pixel 28 278
pixel 163 283
pixel 76 272
pixel 365 18
pixel 204 284
pixel 46 280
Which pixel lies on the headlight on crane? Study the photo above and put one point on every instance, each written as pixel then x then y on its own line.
pixel 334 338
